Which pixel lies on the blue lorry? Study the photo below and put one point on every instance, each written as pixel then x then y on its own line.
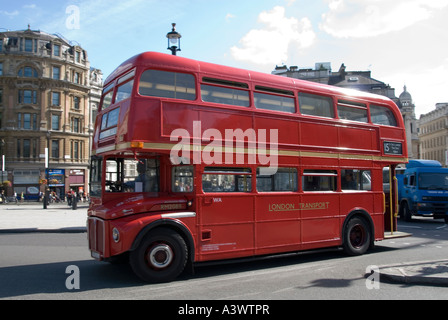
pixel 423 190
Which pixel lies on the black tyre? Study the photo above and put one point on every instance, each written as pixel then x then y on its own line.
pixel 407 214
pixel 357 236
pixel 160 257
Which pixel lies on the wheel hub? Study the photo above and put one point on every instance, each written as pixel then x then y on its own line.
pixel 160 256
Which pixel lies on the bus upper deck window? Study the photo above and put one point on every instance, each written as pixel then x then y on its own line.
pixel 165 84
pixel 382 115
pixel 124 91
pixel 108 93
pixel 274 99
pixel 353 111
pixel 125 85
pixel 225 92
pixel 315 105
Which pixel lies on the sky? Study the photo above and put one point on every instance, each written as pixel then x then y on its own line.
pixel 402 42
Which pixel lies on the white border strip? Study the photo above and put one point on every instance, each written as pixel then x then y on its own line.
pixel 178 215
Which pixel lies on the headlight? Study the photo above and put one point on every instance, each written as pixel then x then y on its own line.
pixel 115 234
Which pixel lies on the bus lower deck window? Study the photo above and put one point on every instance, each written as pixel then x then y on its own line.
pixel 319 180
pixel 355 179
pixel 285 179
pixel 227 180
pixel 182 179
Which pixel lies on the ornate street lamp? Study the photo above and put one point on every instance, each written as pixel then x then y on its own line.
pixel 173 40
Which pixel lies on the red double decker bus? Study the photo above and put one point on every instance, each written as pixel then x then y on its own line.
pixel 195 162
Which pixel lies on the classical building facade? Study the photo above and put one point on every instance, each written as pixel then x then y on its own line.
pixel 48 96
pixel 433 134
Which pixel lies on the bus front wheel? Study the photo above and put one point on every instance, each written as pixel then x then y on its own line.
pixel 160 257
pixel 356 236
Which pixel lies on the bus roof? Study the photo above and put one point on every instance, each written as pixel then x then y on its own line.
pixel 167 61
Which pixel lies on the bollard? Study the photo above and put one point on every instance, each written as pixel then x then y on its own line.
pixel 74 202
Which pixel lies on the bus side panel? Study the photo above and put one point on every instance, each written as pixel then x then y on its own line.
pixel 177 116
pixel 287 129
pixel 226 226
pixel 325 136
pixel 320 219
pixel 378 215
pixel 278 223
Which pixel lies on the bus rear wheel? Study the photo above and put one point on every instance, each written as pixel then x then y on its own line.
pixel 357 236
pixel 160 257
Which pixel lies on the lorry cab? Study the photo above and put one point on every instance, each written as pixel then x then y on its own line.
pixel 423 190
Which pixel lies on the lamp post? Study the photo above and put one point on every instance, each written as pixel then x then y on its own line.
pixel 47 165
pixel 173 40
pixel 2 145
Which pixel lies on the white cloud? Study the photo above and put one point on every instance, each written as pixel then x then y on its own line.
pixel 369 18
pixel 270 44
pixel 229 17
pixel 10 14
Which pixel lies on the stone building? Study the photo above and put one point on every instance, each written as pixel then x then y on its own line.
pixel 433 134
pixel 48 96
pixel 407 109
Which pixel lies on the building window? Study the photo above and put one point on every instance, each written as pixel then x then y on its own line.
pixel 1 95
pixel 76 102
pixel 27 121
pixel 55 98
pixel 55 149
pixel 27 72
pixel 28 45
pixel 19 149
pixel 77 77
pixel 27 96
pixel 75 125
pixel 78 56
pixel 55 121
pixel 26 148
pixel 12 41
pixel 1 68
pixel 57 50
pixel 76 150
pixel 56 73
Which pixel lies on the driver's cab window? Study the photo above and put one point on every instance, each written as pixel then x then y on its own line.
pixel 132 175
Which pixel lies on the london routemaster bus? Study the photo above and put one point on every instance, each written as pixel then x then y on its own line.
pixel 196 162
